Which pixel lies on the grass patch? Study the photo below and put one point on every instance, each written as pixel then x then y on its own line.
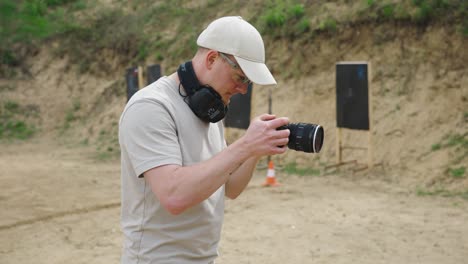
pixel 458 146
pixel 457 141
pixel 106 155
pixel 135 31
pixel 16 129
pixel 283 18
pixel 13 124
pixel 435 147
pixel 292 168
pixel 107 143
pixel 443 193
pixel 329 25
pixel 71 115
pixel 29 23
pixel 420 12
pixel 457 172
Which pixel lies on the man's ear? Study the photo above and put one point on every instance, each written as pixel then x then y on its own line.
pixel 211 57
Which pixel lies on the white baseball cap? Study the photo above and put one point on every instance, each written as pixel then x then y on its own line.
pixel 233 35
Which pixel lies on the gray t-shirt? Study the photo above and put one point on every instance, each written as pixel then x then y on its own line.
pixel 157 128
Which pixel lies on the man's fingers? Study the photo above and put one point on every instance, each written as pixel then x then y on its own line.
pixel 277 122
pixel 266 117
pixel 283 134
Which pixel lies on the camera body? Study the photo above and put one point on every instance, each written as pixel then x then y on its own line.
pixel 304 137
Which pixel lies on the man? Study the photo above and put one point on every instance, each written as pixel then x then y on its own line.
pixel 176 167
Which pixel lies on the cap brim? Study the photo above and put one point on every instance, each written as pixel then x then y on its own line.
pixel 257 72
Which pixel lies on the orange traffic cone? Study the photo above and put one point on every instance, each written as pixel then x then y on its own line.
pixel 270 178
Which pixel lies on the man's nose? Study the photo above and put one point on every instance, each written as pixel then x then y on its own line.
pixel 242 88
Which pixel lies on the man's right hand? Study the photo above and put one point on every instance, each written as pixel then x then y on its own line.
pixel 262 138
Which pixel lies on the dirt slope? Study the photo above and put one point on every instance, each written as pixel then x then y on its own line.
pixel 419 98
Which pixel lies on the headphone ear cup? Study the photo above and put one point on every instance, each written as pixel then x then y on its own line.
pixel 207 104
pixel 204 101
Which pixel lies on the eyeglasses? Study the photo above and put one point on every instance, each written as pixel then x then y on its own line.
pixel 240 78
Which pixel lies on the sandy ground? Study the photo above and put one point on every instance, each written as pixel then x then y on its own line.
pixel 59 205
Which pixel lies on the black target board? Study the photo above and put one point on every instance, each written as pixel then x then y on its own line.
pixel 131 76
pixel 238 115
pixel 153 73
pixel 352 95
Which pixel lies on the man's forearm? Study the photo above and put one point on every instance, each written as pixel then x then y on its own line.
pixel 240 178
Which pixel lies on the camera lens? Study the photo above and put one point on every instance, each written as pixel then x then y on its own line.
pixel 305 137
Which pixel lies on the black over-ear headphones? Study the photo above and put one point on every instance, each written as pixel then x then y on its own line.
pixel 204 101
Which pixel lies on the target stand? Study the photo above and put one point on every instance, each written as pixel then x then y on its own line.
pixel 353 110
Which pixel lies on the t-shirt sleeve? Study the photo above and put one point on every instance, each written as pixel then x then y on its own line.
pixel 148 135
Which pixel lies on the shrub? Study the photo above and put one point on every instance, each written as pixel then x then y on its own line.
pixel 11 124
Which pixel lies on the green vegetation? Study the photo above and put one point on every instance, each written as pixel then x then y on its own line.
pixel 436 146
pixel 70 114
pixel 12 121
pixel 443 193
pixel 135 33
pixel 459 145
pixel 457 172
pixel 107 144
pixel 284 19
pixel 418 11
pixel 329 24
pixel 292 168
pixel 289 18
pixel 29 23
pixel 457 141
